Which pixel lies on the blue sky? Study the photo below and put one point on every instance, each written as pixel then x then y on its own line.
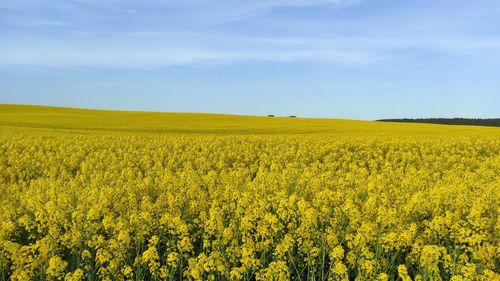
pixel 357 59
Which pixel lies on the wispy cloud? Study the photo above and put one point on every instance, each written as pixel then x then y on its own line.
pixel 157 49
pixel 110 33
pixel 204 9
pixel 154 49
pixel 48 23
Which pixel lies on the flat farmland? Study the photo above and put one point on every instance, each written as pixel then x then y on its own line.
pixel 122 195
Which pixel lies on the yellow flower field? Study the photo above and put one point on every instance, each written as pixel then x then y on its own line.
pixel 101 195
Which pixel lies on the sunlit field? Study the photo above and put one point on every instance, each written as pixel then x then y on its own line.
pixel 109 195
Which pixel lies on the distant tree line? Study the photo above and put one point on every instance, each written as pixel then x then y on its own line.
pixel 291 116
pixel 450 121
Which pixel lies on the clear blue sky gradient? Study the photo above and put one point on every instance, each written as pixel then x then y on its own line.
pixel 357 59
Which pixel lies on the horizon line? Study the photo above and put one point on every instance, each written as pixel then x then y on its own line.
pixel 234 114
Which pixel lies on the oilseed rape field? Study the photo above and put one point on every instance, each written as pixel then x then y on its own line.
pixel 110 195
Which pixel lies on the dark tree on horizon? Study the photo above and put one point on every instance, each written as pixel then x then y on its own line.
pixel 495 122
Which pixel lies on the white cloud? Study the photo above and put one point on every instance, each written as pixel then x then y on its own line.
pixel 187 11
pixel 47 23
pixel 156 50
pixel 290 39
